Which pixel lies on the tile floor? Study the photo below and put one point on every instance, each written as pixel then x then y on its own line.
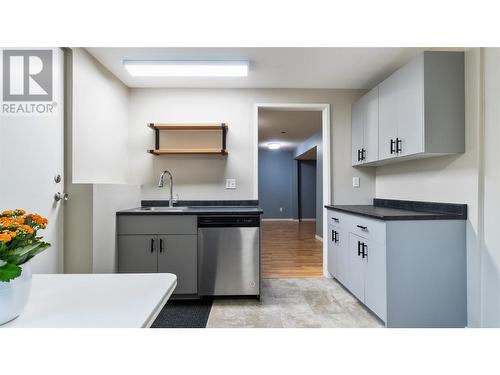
pixel 294 303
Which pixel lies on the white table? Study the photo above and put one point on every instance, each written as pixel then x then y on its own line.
pixel 96 300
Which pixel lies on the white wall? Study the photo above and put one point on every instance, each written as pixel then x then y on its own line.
pixel 490 246
pixel 107 199
pixel 100 123
pixel 203 177
pixel 97 163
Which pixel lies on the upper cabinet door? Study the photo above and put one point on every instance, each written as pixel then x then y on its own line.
pixel 388 94
pixel 370 135
pixel 410 108
pixel 357 125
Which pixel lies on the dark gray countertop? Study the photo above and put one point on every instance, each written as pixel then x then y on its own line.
pixel 388 209
pixel 197 210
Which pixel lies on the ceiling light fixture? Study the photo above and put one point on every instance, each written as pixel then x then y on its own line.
pixel 170 68
pixel 274 146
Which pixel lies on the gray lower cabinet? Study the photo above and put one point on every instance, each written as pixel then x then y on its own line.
pixel 410 273
pixel 137 254
pixel 178 254
pixel 160 243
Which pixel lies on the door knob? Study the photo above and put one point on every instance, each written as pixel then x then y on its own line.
pixel 61 196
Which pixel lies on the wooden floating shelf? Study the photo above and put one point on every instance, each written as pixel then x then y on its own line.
pixel 185 151
pixel 187 126
pixel 221 150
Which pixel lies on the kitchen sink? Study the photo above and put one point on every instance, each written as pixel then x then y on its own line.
pixel 169 209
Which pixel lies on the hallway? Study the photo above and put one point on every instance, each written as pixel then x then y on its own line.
pixel 290 250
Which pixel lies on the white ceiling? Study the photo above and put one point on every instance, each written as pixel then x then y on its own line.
pixel 297 125
pixel 355 68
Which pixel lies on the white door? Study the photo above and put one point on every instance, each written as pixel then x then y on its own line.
pixel 375 279
pixel 370 134
pixel 388 117
pixel 32 143
pixel 357 120
pixel 411 108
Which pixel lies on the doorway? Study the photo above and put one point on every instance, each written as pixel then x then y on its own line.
pixel 292 142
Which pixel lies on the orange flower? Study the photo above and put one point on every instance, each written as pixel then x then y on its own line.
pixel 8 213
pixel 38 219
pixel 19 220
pixel 10 233
pixel 18 211
pixel 26 228
pixel 4 237
pixel 6 221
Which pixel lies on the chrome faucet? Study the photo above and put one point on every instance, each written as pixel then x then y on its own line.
pixel 171 183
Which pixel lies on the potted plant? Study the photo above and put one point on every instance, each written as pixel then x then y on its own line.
pixel 19 243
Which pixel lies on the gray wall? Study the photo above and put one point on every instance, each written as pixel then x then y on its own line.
pixel 316 141
pixel 307 189
pixel 276 183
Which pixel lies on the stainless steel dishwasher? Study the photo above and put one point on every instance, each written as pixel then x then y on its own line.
pixel 229 255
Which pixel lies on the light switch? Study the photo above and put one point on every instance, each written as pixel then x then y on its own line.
pixel 230 183
pixel 355 182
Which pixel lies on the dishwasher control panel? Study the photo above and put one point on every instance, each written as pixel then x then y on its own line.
pixel 228 221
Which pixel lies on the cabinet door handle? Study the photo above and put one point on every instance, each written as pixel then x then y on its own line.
pixel 152 244
pixel 365 251
pixel 161 245
pixel 362 227
pixel 359 155
pixel 333 236
pixel 363 154
pixel 335 219
pixel 359 248
pixel 336 237
pixel 392 146
pixel 399 147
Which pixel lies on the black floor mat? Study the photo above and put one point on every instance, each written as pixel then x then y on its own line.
pixel 184 314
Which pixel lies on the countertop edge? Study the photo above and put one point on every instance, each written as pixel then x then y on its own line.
pixel 189 213
pixel 428 216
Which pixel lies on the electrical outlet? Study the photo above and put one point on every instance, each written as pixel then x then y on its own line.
pixel 355 182
pixel 230 183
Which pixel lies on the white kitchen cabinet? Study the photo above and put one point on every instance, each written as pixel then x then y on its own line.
pixel 356 281
pixel 410 108
pixel 331 260
pixel 375 278
pixel 357 131
pixel 388 116
pixel 421 109
pixel 364 131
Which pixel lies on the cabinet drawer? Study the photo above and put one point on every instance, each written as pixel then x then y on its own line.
pixel 337 218
pixel 370 229
pixel 156 224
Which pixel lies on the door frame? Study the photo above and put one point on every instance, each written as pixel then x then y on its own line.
pixel 325 139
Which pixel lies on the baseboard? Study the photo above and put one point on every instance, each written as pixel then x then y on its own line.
pixel 318 238
pixel 308 219
pixel 280 219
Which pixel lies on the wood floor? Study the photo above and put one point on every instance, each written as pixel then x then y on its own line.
pixel 289 249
